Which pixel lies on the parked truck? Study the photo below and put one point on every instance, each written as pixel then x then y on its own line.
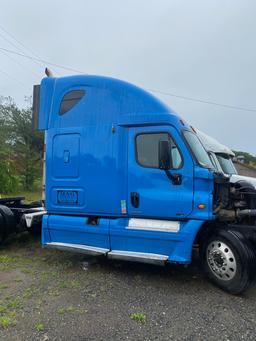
pixel 222 158
pixel 127 178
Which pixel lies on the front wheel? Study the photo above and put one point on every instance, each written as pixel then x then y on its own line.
pixel 229 260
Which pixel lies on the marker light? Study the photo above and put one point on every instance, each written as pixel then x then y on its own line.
pixel 201 206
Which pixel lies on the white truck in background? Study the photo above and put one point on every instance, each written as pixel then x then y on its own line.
pixel 221 157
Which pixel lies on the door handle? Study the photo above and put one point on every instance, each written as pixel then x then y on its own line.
pixel 135 199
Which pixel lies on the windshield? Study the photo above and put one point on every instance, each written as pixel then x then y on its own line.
pixel 215 162
pixel 197 149
pixel 226 164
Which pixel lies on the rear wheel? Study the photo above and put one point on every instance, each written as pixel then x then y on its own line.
pixel 2 229
pixel 7 222
pixel 229 260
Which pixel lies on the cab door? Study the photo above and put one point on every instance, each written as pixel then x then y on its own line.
pixel 154 193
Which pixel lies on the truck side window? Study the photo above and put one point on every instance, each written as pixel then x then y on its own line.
pixel 147 149
pixel 70 99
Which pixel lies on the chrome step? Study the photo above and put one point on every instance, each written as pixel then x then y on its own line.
pixel 78 248
pixel 141 257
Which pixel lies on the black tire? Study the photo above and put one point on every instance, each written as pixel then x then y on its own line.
pixel 2 229
pixel 229 260
pixel 7 221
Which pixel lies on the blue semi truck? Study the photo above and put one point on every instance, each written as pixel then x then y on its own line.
pixel 128 179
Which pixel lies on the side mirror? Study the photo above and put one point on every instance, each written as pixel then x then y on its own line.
pixel 164 155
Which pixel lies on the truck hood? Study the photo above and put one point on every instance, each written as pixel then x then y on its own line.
pixel 235 178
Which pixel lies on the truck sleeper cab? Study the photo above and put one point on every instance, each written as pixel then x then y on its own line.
pixel 127 178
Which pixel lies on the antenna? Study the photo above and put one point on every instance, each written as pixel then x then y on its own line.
pixel 48 72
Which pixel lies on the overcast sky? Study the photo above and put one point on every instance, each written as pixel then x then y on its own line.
pixel 204 49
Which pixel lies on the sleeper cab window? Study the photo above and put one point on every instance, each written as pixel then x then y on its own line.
pixel 70 99
pixel 147 145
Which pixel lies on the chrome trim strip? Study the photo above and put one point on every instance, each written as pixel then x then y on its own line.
pixel 151 258
pixel 29 217
pixel 90 250
pixel 153 225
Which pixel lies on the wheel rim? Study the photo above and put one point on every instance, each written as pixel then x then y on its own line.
pixel 221 260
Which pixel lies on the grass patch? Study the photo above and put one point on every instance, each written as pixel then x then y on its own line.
pixel 61 311
pixel 139 318
pixel 3 286
pixel 69 285
pixel 8 311
pixel 27 271
pixel 8 307
pixel 70 309
pixel 63 285
pixel 18 280
pixel 75 284
pixel 13 303
pixel 54 292
pixel 3 308
pixel 40 327
pixel 45 277
pixel 6 321
pixel 29 292
pixel 5 259
pixel 6 262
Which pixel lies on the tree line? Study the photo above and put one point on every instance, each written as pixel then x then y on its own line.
pixel 21 149
pixel 249 159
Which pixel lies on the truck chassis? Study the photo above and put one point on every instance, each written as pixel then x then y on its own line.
pixel 12 216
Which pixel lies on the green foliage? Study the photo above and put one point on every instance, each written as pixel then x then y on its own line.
pixel 249 159
pixel 8 181
pixel 5 321
pixel 21 149
pixel 40 327
pixel 139 318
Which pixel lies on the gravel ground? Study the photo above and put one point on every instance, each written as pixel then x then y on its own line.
pixel 51 295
